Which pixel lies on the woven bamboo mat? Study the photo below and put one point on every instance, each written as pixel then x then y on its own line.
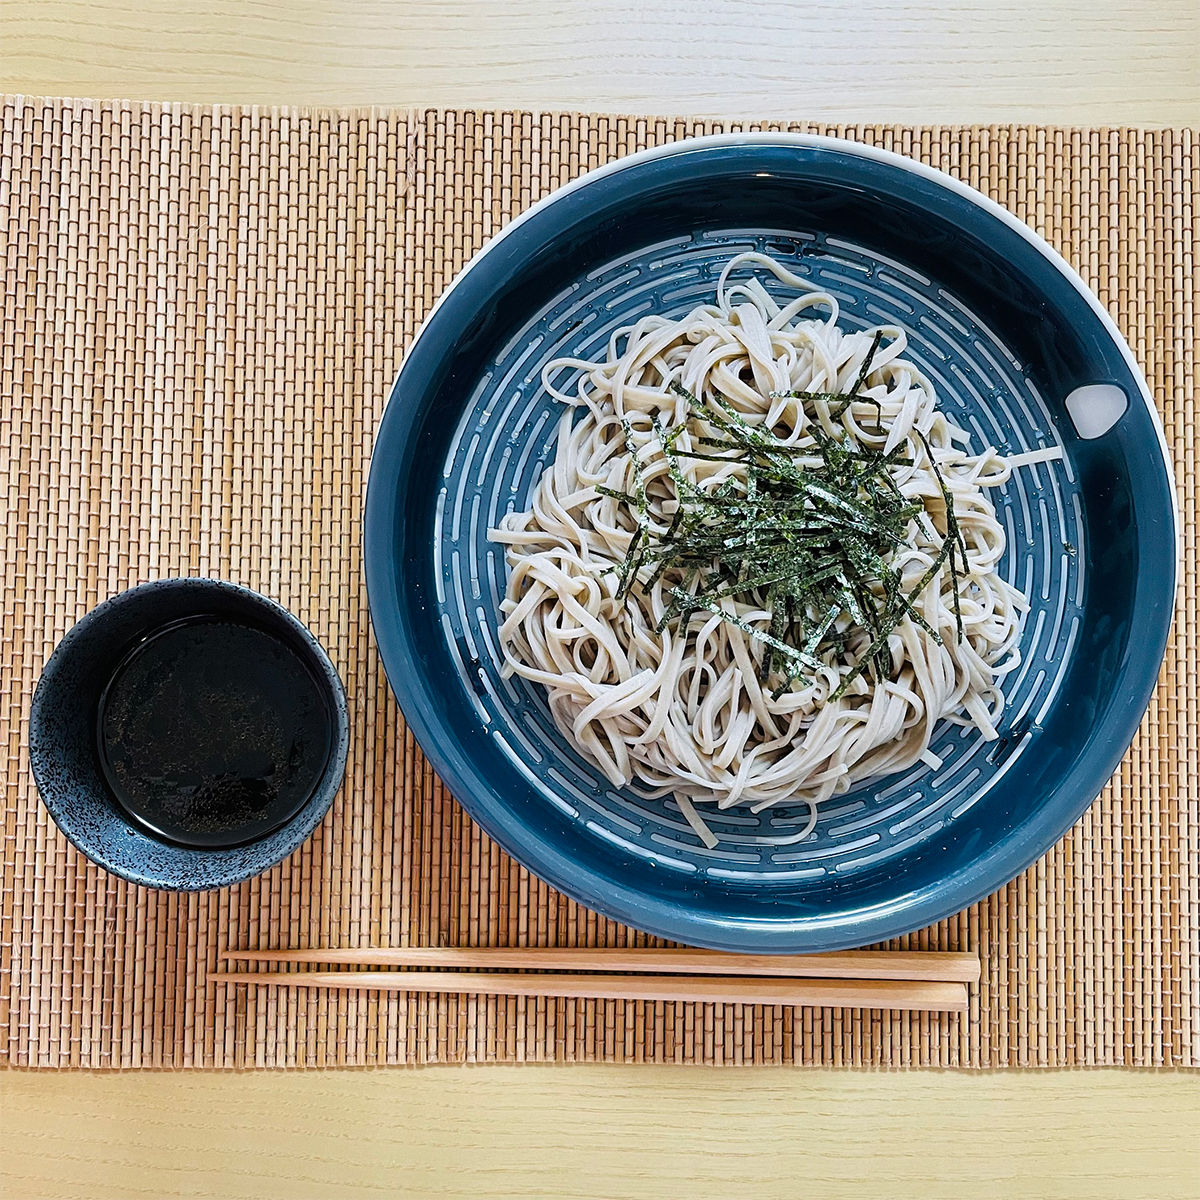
pixel 203 310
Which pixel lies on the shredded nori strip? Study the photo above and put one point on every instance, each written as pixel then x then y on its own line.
pixel 805 543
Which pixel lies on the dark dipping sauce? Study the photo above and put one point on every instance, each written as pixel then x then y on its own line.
pixel 213 733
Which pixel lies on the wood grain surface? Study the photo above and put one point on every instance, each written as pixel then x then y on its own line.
pixel 952 61
pixel 602 1132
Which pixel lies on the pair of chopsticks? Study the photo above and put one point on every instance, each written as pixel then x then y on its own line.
pixel 921 981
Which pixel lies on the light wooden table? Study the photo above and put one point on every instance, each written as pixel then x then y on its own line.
pixel 594 1131
pixel 951 61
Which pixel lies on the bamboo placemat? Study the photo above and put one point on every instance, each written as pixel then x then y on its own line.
pixel 203 311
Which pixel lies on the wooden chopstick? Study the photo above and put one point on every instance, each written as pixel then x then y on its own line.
pixel 932 966
pixel 915 995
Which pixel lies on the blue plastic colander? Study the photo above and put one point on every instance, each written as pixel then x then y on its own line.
pixel 1021 354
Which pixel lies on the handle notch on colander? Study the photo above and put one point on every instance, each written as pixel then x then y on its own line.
pixel 1095 408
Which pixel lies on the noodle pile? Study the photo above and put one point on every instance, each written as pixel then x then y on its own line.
pixel 696 705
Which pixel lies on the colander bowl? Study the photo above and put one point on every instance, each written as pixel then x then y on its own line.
pixel 1022 355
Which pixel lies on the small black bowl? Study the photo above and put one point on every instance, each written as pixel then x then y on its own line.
pixel 188 734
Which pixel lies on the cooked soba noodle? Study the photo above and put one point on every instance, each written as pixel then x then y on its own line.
pixel 687 711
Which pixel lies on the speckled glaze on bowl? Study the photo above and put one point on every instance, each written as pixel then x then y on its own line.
pixel 1013 339
pixel 62 744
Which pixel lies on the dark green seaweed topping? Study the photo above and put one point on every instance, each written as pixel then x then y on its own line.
pixel 806 542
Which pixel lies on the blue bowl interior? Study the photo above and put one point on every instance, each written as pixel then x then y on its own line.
pixel 62 744
pixel 1004 334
